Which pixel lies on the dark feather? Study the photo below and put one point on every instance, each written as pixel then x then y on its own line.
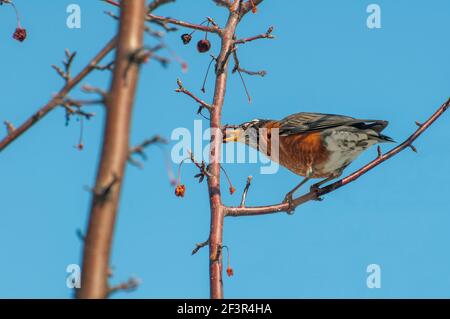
pixel 311 122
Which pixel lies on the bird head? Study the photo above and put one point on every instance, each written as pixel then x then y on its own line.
pixel 246 133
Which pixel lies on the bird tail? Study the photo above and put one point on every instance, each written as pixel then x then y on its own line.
pixel 385 138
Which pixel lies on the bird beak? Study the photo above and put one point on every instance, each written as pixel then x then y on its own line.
pixel 232 135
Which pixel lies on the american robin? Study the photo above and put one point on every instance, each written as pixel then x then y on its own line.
pixel 312 145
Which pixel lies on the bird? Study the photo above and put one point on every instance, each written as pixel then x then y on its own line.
pixel 311 145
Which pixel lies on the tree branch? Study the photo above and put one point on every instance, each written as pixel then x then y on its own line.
pixel 119 101
pixel 54 102
pixel 155 4
pixel 316 194
pixel 211 29
pixel 140 150
pixel 216 206
pixel 181 89
pixel 214 168
pixel 267 35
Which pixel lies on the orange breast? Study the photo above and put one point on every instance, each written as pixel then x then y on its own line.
pixel 299 153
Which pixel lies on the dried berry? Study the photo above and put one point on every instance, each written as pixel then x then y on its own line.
pixel 20 34
pixel 232 190
pixel 186 38
pixel 230 271
pixel 203 46
pixel 180 190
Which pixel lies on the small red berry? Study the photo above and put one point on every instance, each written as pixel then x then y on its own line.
pixel 20 34
pixel 230 271
pixel 232 190
pixel 180 190
pixel 186 38
pixel 203 46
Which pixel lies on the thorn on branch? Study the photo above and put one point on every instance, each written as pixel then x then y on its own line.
pixel 413 148
pixel 419 124
pixel 9 127
pixel 380 153
pixel 81 236
pixel 200 246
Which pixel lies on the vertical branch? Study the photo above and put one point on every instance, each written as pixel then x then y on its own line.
pixel 119 104
pixel 217 211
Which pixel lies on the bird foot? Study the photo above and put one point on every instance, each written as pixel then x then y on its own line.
pixel 290 201
pixel 315 189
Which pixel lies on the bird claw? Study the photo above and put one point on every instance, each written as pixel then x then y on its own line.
pixel 290 201
pixel 315 189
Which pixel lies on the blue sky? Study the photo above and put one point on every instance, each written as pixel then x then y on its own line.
pixel 324 59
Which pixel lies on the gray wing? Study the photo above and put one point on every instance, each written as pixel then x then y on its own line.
pixel 310 122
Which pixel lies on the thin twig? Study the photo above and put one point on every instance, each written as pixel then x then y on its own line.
pixel 200 246
pixel 237 67
pixel 267 35
pixel 152 17
pixel 211 29
pixel 140 150
pixel 247 187
pixel 183 90
pixel 128 286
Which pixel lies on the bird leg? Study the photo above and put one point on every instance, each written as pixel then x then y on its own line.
pixel 288 198
pixel 315 187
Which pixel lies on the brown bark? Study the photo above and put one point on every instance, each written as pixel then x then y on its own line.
pixel 106 194
pixel 217 209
